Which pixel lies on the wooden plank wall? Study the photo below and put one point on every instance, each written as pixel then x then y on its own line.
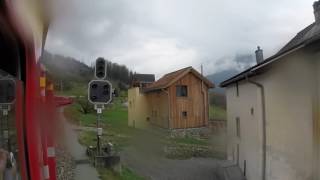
pixel 196 104
pixel 158 107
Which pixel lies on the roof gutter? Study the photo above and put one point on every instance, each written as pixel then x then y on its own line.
pixel 278 57
pixel 263 64
pixel 264 129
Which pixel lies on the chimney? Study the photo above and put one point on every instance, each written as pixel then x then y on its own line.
pixel 259 55
pixel 316 8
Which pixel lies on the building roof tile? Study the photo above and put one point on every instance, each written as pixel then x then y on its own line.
pixel 305 37
pixel 168 79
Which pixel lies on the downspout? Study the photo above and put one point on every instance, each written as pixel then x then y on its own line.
pixel 169 110
pixel 264 129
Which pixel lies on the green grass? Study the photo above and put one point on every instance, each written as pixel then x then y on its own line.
pixel 75 89
pixel 114 116
pixel 217 113
pixel 126 174
pixel 114 120
pixel 74 114
pixel 190 141
pixel 87 138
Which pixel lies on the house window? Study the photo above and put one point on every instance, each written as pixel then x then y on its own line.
pixel 252 111
pixel 238 126
pixel 238 154
pixel 182 91
pixel 184 114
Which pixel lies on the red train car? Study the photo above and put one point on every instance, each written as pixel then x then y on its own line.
pixel 27 141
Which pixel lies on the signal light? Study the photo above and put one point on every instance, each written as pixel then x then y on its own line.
pixel 7 91
pixel 99 92
pixel 100 69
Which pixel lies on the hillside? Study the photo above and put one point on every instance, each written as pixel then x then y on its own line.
pixel 72 76
pixel 219 77
pixel 66 68
pixel 242 62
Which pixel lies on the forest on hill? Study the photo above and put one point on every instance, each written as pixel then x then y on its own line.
pixel 68 72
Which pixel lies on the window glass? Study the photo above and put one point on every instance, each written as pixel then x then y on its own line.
pixel 238 126
pixel 184 114
pixel 182 91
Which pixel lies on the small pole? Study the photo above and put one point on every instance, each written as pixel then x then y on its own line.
pixel 201 69
pixel 5 130
pixel 8 130
pixel 99 109
pixel 98 137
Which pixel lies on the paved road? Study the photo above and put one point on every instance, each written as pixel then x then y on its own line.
pixel 157 168
pixel 83 171
pixel 145 156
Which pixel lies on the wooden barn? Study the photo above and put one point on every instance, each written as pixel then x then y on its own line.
pixel 178 100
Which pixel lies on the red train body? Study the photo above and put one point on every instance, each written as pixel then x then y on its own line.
pixel 34 111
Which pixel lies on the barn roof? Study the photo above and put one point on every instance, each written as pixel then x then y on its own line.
pixel 147 78
pixel 304 38
pixel 170 78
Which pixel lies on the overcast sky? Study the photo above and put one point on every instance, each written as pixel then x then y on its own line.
pixel 159 36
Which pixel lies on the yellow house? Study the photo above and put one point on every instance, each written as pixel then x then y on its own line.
pixel 138 107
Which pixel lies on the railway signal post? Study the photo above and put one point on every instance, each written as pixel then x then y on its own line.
pixel 7 100
pixel 99 94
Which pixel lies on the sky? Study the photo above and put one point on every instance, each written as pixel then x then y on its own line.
pixel 159 36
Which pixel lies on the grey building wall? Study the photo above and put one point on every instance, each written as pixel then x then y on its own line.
pixel 292 113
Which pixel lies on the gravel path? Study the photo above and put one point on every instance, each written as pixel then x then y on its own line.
pixel 65 164
pixel 83 171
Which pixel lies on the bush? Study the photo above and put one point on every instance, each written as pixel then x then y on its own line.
pixel 85 106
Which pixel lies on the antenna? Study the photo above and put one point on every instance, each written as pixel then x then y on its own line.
pixel 201 69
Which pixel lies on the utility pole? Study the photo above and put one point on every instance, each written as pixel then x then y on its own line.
pixel 201 69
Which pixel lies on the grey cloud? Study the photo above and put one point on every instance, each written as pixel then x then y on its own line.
pixel 171 34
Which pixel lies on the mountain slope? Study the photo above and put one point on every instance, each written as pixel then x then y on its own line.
pixel 219 77
pixel 241 62
pixel 66 68
pixel 69 74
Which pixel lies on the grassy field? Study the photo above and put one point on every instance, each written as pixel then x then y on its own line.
pixel 189 141
pixel 116 131
pixel 217 113
pixel 126 174
pixel 74 89
pixel 114 120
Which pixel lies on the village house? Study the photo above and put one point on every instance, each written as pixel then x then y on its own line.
pixel 142 80
pixel 178 100
pixel 273 111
